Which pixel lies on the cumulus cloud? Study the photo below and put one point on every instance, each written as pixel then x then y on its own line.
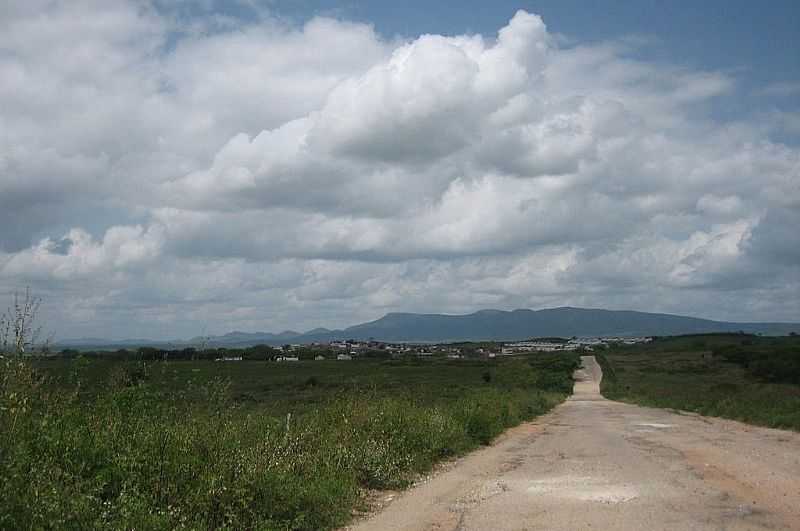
pixel 159 174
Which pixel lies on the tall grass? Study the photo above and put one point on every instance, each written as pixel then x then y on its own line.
pixel 139 457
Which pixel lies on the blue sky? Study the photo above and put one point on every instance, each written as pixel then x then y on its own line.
pixel 173 167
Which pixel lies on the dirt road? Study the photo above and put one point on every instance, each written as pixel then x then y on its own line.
pixel 596 464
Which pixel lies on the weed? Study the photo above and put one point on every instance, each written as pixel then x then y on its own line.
pixel 129 445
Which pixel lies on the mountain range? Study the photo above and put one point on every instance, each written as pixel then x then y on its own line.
pixel 481 325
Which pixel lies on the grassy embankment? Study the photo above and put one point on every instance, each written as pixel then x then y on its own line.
pixel 270 446
pixel 741 377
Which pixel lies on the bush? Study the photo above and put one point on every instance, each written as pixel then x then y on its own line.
pixel 137 457
pixel 779 366
pixel 782 367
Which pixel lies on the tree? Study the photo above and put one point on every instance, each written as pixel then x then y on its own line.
pixel 18 329
pixel 260 352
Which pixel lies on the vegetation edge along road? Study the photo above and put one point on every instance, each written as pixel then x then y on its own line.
pixel 742 377
pixel 140 450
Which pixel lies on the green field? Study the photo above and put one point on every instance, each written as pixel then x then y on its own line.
pixel 296 387
pixel 95 444
pixel 747 378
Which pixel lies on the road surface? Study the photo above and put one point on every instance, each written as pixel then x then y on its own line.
pixel 596 464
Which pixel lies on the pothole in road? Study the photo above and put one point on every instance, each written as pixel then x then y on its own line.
pixel 583 488
pixel 655 425
pixel 607 494
pixel 488 490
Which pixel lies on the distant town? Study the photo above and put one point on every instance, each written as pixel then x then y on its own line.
pixel 347 350
pixel 352 349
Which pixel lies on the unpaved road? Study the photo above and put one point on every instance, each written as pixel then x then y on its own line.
pixel 596 464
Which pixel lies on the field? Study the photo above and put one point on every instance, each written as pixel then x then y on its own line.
pixel 291 387
pixel 91 444
pixel 748 378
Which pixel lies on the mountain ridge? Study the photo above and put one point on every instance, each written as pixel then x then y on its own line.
pixel 488 324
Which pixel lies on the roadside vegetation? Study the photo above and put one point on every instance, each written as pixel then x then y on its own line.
pixel 98 444
pixel 742 377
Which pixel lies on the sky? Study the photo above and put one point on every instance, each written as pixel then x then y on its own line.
pixel 177 168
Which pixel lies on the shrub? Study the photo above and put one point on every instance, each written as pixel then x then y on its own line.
pixel 139 457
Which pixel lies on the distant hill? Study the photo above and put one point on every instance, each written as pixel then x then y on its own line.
pixel 481 325
pixel 244 339
pixel 563 322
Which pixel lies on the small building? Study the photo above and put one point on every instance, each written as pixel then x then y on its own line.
pixel 287 358
pixel 319 358
pixel 344 357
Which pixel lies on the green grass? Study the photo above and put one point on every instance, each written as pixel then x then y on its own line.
pixel 243 445
pixel 288 387
pixel 695 373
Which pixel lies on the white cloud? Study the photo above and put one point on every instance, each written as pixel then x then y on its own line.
pixel 293 176
pixel 77 254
